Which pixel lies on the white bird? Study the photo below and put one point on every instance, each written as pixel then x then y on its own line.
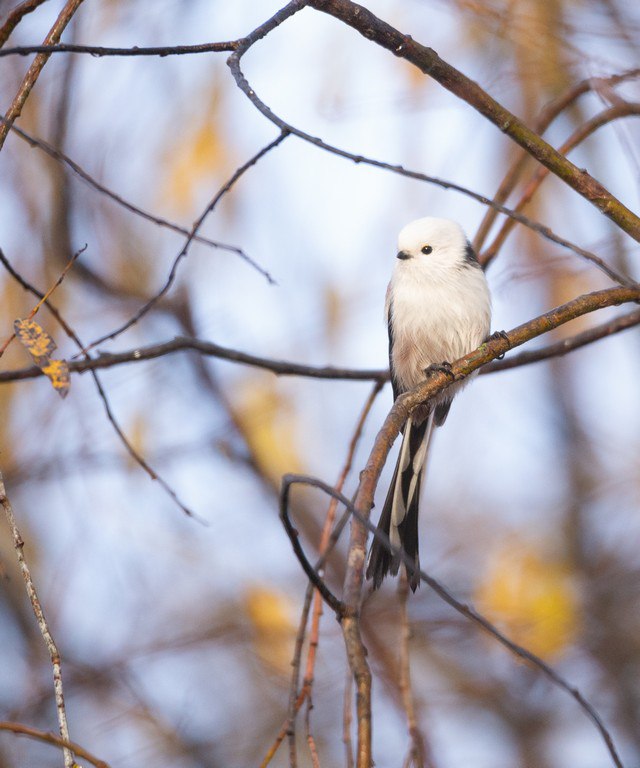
pixel 438 309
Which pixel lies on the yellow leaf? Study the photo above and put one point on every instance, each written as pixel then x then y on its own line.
pixel 271 616
pixel 40 345
pixel 268 423
pixel 36 341
pixel 531 597
pixel 57 371
pixel 200 158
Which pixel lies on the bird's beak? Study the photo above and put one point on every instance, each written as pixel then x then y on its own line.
pixel 403 255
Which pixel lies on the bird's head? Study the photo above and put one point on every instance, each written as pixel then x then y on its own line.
pixel 434 244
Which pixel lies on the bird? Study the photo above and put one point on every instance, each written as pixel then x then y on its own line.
pixel 438 309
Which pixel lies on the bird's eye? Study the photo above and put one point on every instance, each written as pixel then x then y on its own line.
pixel 426 249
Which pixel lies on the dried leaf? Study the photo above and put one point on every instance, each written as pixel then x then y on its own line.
pixel 37 341
pixel 57 371
pixel 40 345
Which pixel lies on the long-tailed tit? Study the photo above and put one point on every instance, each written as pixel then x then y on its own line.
pixel 438 309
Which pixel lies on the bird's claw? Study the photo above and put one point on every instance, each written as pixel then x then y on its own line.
pixel 499 335
pixel 444 367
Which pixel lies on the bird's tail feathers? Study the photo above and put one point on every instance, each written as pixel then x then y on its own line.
pixel 399 517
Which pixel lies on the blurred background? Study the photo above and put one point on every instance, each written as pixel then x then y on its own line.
pixel 176 635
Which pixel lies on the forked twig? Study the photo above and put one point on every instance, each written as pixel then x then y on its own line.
pixel 470 613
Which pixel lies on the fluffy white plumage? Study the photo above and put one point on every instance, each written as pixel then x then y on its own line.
pixel 438 309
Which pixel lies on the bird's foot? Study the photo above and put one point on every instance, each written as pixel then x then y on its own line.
pixel 444 367
pixel 499 335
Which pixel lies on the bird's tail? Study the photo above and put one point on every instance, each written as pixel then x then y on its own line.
pixel 399 518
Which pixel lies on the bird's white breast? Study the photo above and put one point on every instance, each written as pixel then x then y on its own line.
pixel 437 315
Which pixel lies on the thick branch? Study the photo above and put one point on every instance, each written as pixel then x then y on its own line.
pixel 428 61
pixel 498 345
pixel 287 368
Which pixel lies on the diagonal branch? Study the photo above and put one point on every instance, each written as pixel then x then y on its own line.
pixel 86 177
pixel 428 61
pixel 243 84
pixel 496 346
pixel 16 16
pixel 43 626
pixel 29 80
pixel 618 111
pixel 238 173
pixel 50 738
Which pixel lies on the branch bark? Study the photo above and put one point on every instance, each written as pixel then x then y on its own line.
pixel 428 61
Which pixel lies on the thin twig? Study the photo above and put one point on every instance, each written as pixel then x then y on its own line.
pixel 191 236
pixel 465 610
pixel 312 574
pixel 29 80
pixel 547 115
pixel 347 705
pixel 618 111
pixel 60 157
pixel 45 296
pixel 417 755
pixel 54 656
pixel 98 51
pixel 544 231
pixel 51 738
pixel 101 392
pixel 16 16
pixel 327 542
pixel 428 62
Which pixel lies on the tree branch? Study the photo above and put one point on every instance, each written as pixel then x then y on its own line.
pixel 43 626
pixel 99 51
pixel 51 738
pixel 287 368
pixel 29 80
pixel 238 173
pixel 243 84
pixel 16 16
pixel 86 177
pixel 428 61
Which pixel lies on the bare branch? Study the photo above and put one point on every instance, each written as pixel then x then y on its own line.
pixel 16 16
pixel 428 61
pixel 547 115
pixel 192 234
pixel 99 51
pixel 418 755
pixel 51 738
pixel 79 171
pixel 287 368
pixel 43 626
pixel 546 232
pixel 563 347
pixel 101 391
pixel 616 112
pixel 314 577
pixel 36 67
